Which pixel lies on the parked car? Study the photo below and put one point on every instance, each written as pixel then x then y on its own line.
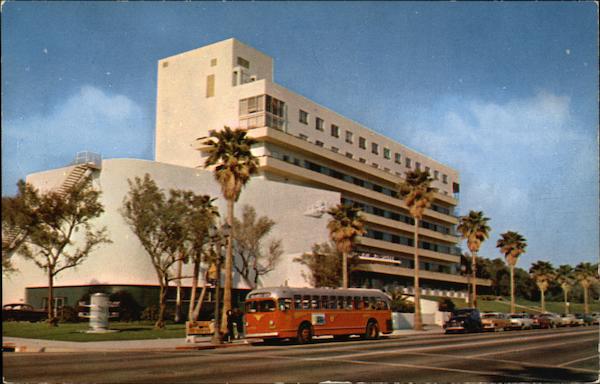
pixel 495 321
pixel 548 320
pixel 464 320
pixel 568 320
pixel 520 321
pixel 22 312
pixel 595 317
pixel 584 319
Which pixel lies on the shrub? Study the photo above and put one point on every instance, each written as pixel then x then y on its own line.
pixel 150 313
pixel 400 303
pixel 446 305
pixel 129 309
pixel 68 315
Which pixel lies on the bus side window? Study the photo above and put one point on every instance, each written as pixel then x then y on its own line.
pixel 341 304
pixel 358 302
pixel 297 302
pixel 285 304
pixel 366 303
pixel 349 302
pixel 324 302
pixel 332 302
pixel 306 302
pixel 314 304
pixel 380 304
pixel 372 302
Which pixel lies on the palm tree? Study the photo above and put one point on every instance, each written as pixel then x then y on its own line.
pixel 475 230
pixel 542 272
pixel 512 245
pixel 345 224
pixel 564 276
pixel 586 274
pixel 417 194
pixel 230 151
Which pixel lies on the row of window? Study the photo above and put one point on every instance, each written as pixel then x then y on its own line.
pixel 396 216
pixel 362 144
pixel 357 181
pixel 403 240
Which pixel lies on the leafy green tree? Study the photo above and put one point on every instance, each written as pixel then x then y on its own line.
pixel 586 274
pixel 230 155
pixel 542 272
pixel 345 224
pixel 253 259
pixel 50 227
pixel 565 277
pixel 498 273
pixel 512 245
pixel 417 194
pixel 156 221
pixel 325 265
pixel 475 230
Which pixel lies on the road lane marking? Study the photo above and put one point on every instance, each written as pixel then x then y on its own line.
pixel 533 347
pixel 577 361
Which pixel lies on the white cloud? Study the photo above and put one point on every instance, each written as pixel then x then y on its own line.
pixel 91 119
pixel 527 163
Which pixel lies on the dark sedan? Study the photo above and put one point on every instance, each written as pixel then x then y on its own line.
pixel 464 320
pixel 22 312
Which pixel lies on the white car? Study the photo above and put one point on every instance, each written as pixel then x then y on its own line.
pixel 520 321
pixel 568 320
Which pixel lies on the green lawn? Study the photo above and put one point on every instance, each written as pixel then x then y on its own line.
pixel 532 306
pixel 75 331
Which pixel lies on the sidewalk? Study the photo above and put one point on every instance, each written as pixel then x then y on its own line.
pixel 18 344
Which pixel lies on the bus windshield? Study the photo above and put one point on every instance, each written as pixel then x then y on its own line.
pixel 260 306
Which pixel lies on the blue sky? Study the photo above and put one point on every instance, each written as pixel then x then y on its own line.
pixel 507 93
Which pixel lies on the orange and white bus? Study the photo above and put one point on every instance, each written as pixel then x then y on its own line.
pixel 301 313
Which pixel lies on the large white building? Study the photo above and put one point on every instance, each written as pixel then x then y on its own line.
pixel 310 158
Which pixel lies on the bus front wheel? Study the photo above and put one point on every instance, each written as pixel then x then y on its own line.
pixel 372 331
pixel 304 334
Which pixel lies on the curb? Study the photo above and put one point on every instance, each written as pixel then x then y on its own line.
pixel 210 346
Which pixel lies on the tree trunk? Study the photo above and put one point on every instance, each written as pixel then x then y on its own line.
pixel 178 297
pixel 512 288
pixel 543 298
pixel 566 297
pixel 198 306
pixel 418 322
pixel 345 270
pixel 585 300
pixel 195 274
pixel 160 322
pixel 474 279
pixel 228 268
pixel 51 319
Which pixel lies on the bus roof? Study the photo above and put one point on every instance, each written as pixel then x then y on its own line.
pixel 289 292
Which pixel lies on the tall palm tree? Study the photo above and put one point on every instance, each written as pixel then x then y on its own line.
pixel 345 224
pixel 565 277
pixel 229 151
pixel 586 274
pixel 542 273
pixel 475 230
pixel 512 245
pixel 417 194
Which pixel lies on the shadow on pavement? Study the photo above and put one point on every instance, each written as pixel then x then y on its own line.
pixel 535 374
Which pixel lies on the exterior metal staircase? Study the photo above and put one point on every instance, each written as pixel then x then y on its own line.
pixel 84 164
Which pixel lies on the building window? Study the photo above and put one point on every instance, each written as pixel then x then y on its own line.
pixel 349 155
pixel 303 137
pixel 319 124
pixel 386 153
pixel 408 162
pixel 303 117
pixel 210 85
pixel 213 62
pixel 165 64
pixel 374 165
pixel 335 149
pixel 319 143
pixel 387 169
pixel 335 130
pixel 348 137
pixel 362 160
pixel 362 143
pixel 427 169
pixel 436 175
pixel 375 148
pixel 398 158
pixel 444 179
pixel 243 62
pixel 418 166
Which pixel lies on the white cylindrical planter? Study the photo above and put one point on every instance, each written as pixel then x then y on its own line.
pixel 99 312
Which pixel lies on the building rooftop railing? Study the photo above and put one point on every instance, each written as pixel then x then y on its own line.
pixel 87 157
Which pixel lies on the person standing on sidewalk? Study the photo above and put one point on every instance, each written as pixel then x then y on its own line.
pixel 239 319
pixel 230 326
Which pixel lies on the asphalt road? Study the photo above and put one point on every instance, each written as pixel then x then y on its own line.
pixel 556 355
